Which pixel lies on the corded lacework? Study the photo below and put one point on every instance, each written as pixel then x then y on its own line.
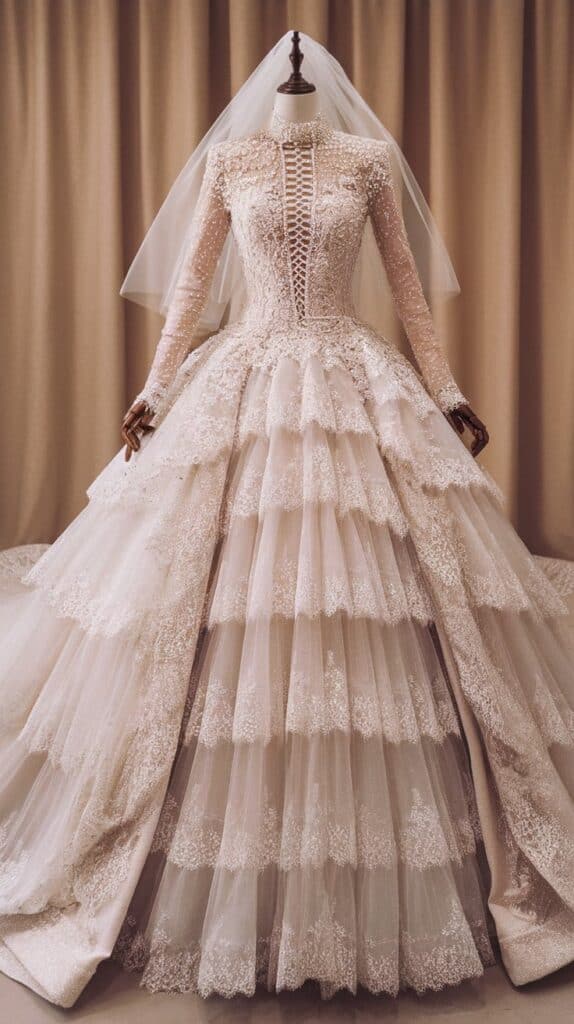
pixel 297 199
pixel 298 168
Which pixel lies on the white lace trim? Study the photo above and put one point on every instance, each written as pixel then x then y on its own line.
pixel 193 841
pixel 560 572
pixel 341 376
pixel 328 953
pixel 15 563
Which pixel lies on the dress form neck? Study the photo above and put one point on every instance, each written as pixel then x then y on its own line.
pixel 293 107
pixel 299 133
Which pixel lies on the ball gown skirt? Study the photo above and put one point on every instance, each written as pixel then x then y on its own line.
pixel 288 700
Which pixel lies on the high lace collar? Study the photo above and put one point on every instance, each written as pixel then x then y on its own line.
pixel 300 133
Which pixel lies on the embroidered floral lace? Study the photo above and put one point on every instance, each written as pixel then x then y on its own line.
pixel 297 197
pixel 290 693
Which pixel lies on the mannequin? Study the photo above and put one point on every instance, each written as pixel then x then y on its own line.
pixel 296 100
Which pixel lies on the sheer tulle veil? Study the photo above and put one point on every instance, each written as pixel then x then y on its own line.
pixel 151 278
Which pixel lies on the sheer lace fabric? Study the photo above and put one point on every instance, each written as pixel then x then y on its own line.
pixel 298 198
pixel 297 693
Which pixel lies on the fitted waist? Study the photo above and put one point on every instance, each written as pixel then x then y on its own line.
pixel 292 323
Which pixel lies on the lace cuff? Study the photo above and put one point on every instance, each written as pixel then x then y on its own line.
pixel 449 397
pixel 152 395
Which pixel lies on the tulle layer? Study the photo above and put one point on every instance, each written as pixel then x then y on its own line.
pixel 300 801
pixel 343 927
pixel 317 487
pixel 90 726
pixel 534 662
pixel 230 388
pixel 158 558
pixel 86 758
pixel 307 562
pixel 296 537
pixel 304 561
pixel 73 696
pixel 228 399
pixel 287 471
pixel 263 680
pixel 310 562
pixel 272 677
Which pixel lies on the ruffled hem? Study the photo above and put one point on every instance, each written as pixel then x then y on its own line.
pixel 228 974
pixel 338 928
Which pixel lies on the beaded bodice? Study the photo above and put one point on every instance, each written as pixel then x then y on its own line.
pixel 297 196
pixel 298 205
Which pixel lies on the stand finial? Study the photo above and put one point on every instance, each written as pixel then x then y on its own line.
pixel 296 84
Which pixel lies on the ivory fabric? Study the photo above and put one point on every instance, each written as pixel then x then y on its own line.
pixel 289 698
pixel 100 106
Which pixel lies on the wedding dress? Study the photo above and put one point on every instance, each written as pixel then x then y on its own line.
pixel 289 699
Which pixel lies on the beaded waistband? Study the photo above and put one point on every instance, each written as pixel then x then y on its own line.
pixel 294 322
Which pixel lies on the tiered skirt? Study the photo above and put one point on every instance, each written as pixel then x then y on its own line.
pixel 234 744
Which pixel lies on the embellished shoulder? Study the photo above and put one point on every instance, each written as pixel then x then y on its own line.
pixel 243 155
pixel 377 158
pixel 232 159
pixel 366 158
pixel 241 148
pixel 229 146
pixel 215 153
pixel 364 146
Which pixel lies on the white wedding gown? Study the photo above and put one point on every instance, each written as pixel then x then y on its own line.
pixel 289 699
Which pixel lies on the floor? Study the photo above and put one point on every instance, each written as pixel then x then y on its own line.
pixel 113 997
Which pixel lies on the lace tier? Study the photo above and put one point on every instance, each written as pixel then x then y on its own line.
pixel 324 925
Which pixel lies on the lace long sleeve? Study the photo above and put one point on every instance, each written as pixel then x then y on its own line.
pixel 207 236
pixel 408 296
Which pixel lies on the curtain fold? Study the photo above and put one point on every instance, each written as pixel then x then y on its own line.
pixel 100 105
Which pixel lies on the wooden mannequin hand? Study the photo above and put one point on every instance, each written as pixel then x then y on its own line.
pixel 137 419
pixel 462 416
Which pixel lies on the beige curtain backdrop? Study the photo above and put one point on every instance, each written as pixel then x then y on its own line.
pixel 101 102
